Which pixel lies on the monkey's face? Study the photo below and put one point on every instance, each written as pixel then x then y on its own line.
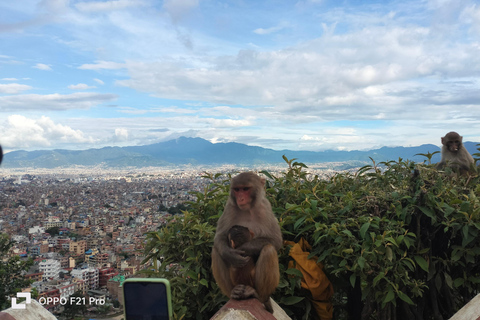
pixel 454 146
pixel 243 196
pixel 453 141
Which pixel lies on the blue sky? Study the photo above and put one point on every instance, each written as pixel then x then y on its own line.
pixel 301 75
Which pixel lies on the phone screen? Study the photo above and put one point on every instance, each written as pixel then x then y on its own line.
pixel 146 300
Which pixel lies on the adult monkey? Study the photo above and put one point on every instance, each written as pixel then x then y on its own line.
pixel 454 153
pixel 248 206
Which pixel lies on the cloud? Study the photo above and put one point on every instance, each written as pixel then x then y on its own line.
pixel 98 65
pixel 178 9
pixel 19 132
pixel 80 100
pixel 95 6
pixel 130 110
pixel 174 109
pixel 13 88
pixel 42 66
pixel 371 73
pixel 99 81
pixel 80 86
pixel 9 79
pixel 262 31
pixel 121 134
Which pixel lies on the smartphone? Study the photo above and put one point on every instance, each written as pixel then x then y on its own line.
pixel 147 299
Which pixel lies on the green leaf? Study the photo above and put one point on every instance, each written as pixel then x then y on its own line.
pixel 364 229
pixel 465 231
pixel 353 278
pixel 299 222
pixel 422 263
pixel 389 254
pixel 428 212
pixel 405 298
pixel 361 262
pixel 291 300
pixel 458 282
pixel 347 232
pixel 294 272
pixel 409 264
pixel 389 297
pixel 448 280
pixel 378 278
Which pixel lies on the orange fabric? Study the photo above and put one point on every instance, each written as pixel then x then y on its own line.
pixel 314 279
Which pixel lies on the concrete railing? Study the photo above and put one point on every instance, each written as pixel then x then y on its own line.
pixel 471 311
pixel 33 311
pixel 250 309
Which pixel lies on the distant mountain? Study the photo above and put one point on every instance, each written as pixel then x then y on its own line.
pixel 197 151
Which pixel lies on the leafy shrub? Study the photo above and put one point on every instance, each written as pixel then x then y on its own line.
pixel 398 240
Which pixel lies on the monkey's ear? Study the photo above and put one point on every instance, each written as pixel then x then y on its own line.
pixel 232 244
pixel 262 181
pixel 443 139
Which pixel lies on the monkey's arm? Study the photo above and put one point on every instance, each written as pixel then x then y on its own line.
pixel 254 246
pixel 232 257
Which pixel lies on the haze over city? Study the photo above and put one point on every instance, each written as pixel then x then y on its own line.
pixel 304 75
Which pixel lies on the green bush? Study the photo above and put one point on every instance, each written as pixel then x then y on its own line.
pixel 398 240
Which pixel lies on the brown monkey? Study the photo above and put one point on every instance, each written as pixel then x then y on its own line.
pixel 454 153
pixel 237 236
pixel 248 206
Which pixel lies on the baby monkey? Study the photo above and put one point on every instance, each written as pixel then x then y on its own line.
pixel 238 236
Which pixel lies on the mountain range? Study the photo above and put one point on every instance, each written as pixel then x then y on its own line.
pixel 197 151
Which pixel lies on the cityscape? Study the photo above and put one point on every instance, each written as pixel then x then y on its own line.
pixel 85 227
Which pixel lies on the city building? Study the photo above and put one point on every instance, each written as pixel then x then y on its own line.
pixel 50 269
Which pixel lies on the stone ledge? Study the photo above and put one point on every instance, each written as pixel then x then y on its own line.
pixel 471 311
pixel 33 311
pixel 250 309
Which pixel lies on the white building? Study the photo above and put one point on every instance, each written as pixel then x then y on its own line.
pixel 90 275
pixel 36 229
pixel 50 268
pixel 53 222
pixel 66 290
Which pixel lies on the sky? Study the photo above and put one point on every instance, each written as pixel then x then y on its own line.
pixel 300 75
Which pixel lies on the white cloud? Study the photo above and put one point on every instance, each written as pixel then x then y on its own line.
pixel 42 66
pixel 96 6
pixel 80 100
pixel 174 109
pixel 121 134
pixel 20 132
pixel 99 81
pixel 130 110
pixel 9 79
pixel 270 30
pixel 13 88
pixel 80 86
pixel 102 65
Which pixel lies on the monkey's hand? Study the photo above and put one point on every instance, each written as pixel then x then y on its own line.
pixel 255 246
pixel 236 258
